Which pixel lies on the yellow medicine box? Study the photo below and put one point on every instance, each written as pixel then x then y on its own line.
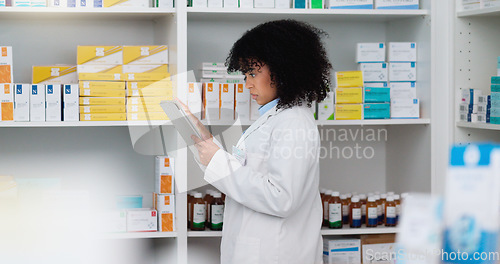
pixel 147 116
pixel 104 117
pixel 151 92
pixel 109 55
pixel 349 95
pixel 349 112
pixel 57 74
pixel 145 54
pixel 102 92
pixel 102 85
pixel 151 84
pixel 100 72
pixel 93 109
pixel 143 108
pixel 102 101
pixel 145 100
pixel 146 72
pixel 349 79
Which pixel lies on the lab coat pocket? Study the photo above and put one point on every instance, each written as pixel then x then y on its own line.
pixel 246 251
pixel 257 161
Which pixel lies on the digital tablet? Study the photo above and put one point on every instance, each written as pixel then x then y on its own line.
pixel 182 124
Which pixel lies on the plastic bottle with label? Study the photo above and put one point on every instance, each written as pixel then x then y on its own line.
pixel 345 209
pixel 355 212
pixel 190 198
pixel 208 200
pixel 398 207
pixel 362 199
pixel 379 209
pixel 326 199
pixel 390 212
pixel 198 213
pixel 335 211
pixel 371 212
pixel 217 211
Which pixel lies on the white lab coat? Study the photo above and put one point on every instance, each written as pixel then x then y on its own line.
pixel 273 209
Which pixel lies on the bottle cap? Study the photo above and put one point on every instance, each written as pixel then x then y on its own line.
pixel 362 196
pixel 328 192
pixel 377 197
pixel 197 195
pixel 390 193
pixel 343 197
pixel 355 199
pixel 217 195
pixel 390 199
pixel 335 194
pixel 322 190
pixel 383 196
pixel 371 199
pixel 396 197
pixel 349 195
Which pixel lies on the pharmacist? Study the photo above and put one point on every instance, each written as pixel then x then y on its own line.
pixel 273 210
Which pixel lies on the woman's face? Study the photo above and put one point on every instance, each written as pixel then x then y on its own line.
pixel 261 87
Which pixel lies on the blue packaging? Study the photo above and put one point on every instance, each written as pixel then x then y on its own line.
pixel 128 201
pixel 376 95
pixel 377 111
pixel 300 4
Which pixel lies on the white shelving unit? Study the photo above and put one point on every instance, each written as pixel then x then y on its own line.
pixel 478 125
pixel 118 155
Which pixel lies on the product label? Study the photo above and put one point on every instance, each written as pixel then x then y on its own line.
pixel 325 210
pixel 345 210
pixel 398 210
pixel 356 213
pixel 363 209
pixel 199 215
pixel 372 213
pixel 379 210
pixel 391 212
pixel 217 216
pixel 335 215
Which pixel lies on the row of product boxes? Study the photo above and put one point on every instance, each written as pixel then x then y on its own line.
pixel 87 3
pixel 309 4
pixel 478 4
pixel 367 249
pixel 397 109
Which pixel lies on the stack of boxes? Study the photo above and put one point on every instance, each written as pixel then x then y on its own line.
pixel 348 95
pixel 473 106
pixel 471 4
pixel 490 3
pixel 6 88
pixel 163 197
pixel 89 3
pixel 493 107
pixel 145 68
pixel 307 4
pixel 102 88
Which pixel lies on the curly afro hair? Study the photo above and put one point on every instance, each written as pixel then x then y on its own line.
pixel 295 55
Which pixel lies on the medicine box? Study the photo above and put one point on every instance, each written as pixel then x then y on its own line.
pixel 376 95
pixel 211 101
pixel 472 200
pixel 22 3
pixel 99 55
pixel 377 111
pixel 94 109
pixel 495 88
pixel 37 103
pixel 85 3
pixel 6 74
pixel 405 108
pixel 370 52
pixel 348 112
pixel 128 201
pixel 166 3
pixel 100 72
pixel 53 106
pixel 54 74
pixel 242 104
pixel 102 92
pixel 283 4
pixel 151 72
pixel 141 101
pixel 102 101
pixel 213 65
pixel 6 102
pixel 377 84
pixel 194 99
pixel 495 111
pixel 402 51
pixel 346 251
pixel 151 92
pixel 297 4
pixel 471 6
pixel 164 175
pixel 214 3
pixel 143 108
pixel 202 3
pixel 38 3
pixel 5 55
pixel 254 110
pixel 142 220
pixel 226 101
pixel 495 79
pixel 164 204
pixel 374 72
pixel 349 79
pixel 71 109
pixel 114 221
pixel 348 95
pixel 101 85
pixel 403 90
pixel 145 54
pixel 478 118
pixel 350 4
pixel 396 4
pixel 22 103
pixel 326 108
pixel 470 96
pixel 142 116
pixel 263 3
pixel 57 3
pixel 402 71
pixel 230 3
pixel 163 84
pixel 103 117
pixel 489 3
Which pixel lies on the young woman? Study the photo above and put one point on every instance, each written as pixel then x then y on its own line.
pixel 273 210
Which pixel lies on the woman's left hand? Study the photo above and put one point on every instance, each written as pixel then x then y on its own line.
pixel 206 149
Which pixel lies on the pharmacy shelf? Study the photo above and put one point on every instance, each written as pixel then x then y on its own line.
pixel 85 124
pixel 340 14
pixel 478 125
pixel 138 235
pixel 108 12
pixel 206 233
pixel 379 122
pixel 492 11
pixel 359 231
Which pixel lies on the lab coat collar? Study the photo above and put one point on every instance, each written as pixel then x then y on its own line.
pixel 259 122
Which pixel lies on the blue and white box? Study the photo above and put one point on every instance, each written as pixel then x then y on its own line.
pixel 377 84
pixel 471 206
pixel 350 4
pixel 396 4
pixel 403 71
pixel 374 72
pixel 469 96
pixel 38 3
pixel 22 103
pixel 370 52
pixel 404 108
pixel 406 90
pixel 402 51
pixel 377 111
pixel 53 109
pixel 22 3
pixel 71 102
pixel 85 3
pixel 37 103
pixel 342 251
pixel 376 95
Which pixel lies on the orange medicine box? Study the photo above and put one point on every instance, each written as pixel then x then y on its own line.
pixel 6 102
pixel 164 204
pixel 164 175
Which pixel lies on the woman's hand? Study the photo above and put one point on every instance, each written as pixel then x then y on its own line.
pixel 206 146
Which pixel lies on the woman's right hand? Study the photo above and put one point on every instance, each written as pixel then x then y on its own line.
pixel 203 130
